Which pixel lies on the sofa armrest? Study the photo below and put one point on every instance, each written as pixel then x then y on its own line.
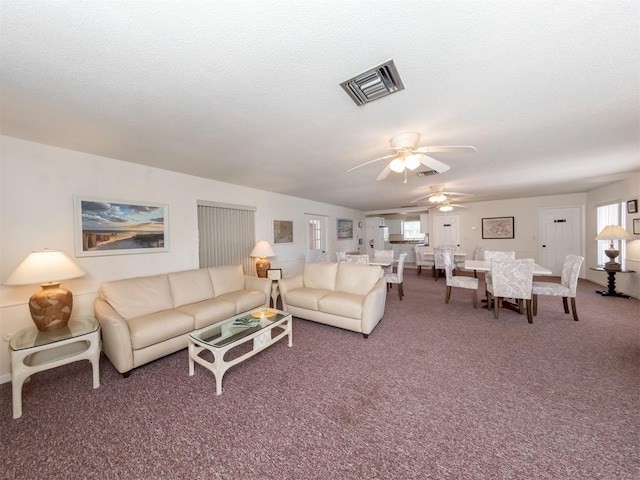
pixel 373 308
pixel 116 338
pixel 286 284
pixel 259 285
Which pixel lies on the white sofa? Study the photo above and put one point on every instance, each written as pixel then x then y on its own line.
pixel 145 318
pixel 343 295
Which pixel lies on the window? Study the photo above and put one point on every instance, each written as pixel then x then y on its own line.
pixel 610 214
pixel 412 231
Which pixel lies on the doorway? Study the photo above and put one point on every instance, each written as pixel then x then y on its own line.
pixel 447 230
pixel 561 233
pixel 316 238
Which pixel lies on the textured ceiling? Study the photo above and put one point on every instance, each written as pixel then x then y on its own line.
pixel 248 92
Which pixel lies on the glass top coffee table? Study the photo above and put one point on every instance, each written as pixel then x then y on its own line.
pixel 263 327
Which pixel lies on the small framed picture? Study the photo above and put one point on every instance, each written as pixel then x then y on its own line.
pixel 359 224
pixel 636 226
pixel 274 273
pixel 632 206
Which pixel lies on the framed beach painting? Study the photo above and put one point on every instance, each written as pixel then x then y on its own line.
pixel 282 231
pixel 118 227
pixel 497 227
pixel 345 228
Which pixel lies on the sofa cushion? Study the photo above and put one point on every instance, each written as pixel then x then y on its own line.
pixel 190 286
pixel 157 327
pixel 245 300
pixel 320 275
pixel 209 311
pixel 342 304
pixel 357 279
pixel 305 297
pixel 133 297
pixel 226 279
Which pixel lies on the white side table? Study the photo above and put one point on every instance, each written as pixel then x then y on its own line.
pixel 34 351
pixel 275 292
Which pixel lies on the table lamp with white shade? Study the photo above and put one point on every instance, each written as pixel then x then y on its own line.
pixel 50 307
pixel 611 233
pixel 262 250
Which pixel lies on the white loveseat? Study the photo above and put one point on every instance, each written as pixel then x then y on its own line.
pixel 145 318
pixel 343 295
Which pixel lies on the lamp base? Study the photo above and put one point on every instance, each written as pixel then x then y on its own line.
pixel 51 307
pixel 262 265
pixel 612 253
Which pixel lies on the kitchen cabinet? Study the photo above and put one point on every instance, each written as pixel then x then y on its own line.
pixel 395 226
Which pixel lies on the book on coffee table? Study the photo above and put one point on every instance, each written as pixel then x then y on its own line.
pixel 246 322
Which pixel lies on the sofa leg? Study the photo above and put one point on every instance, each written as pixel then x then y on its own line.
pixel 365 335
pixel 126 374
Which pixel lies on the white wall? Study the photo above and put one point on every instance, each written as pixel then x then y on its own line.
pixel 37 186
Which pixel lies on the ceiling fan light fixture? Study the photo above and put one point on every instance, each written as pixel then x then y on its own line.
pixel 397 165
pixel 437 198
pixel 445 208
pixel 411 162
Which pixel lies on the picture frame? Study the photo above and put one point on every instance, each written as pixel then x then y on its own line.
pixel 359 224
pixel 632 206
pixel 344 228
pixel 282 231
pixel 274 273
pixel 636 226
pixel 498 228
pixel 119 227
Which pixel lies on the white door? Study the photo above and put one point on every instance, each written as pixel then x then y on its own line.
pixel 447 230
pixel 560 235
pixel 316 238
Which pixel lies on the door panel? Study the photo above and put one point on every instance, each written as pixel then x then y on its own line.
pixel 447 230
pixel 316 238
pixel 560 235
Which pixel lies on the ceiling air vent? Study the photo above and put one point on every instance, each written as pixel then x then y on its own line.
pixel 426 173
pixel 373 84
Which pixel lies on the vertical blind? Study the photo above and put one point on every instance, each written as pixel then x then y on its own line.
pixel 226 235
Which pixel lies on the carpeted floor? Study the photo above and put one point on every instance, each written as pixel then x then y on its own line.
pixel 436 392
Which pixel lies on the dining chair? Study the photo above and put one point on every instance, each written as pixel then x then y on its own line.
pixel 438 258
pixel 397 277
pixel 478 254
pixel 341 256
pixel 496 255
pixel 511 279
pixel 384 255
pixel 567 287
pixel 458 281
pixel 421 259
pixel 359 259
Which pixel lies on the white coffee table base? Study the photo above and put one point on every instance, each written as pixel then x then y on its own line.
pixel 261 340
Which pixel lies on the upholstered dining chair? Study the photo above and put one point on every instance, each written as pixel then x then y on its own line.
pixel 438 258
pixel 511 279
pixel 567 287
pixel 421 259
pixel 341 256
pixel 384 255
pixel 496 255
pixel 397 277
pixel 458 281
pixel 360 259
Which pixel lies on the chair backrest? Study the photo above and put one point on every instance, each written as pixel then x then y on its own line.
pixel 438 255
pixel 478 254
pixel 341 256
pixel 400 268
pixel 512 278
pixel 499 254
pixel 421 260
pixel 570 272
pixel 360 259
pixel 449 263
pixel 383 254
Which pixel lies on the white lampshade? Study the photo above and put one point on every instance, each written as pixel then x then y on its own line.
pixel 44 267
pixel 411 162
pixel 437 198
pixel 263 250
pixel 614 232
pixel 397 165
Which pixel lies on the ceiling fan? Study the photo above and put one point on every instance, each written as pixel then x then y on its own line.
pixel 409 156
pixel 438 195
pixel 446 206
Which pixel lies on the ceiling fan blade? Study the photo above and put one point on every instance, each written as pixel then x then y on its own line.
pixel 384 173
pixel 371 161
pixel 446 149
pixel 434 164
pixel 417 199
